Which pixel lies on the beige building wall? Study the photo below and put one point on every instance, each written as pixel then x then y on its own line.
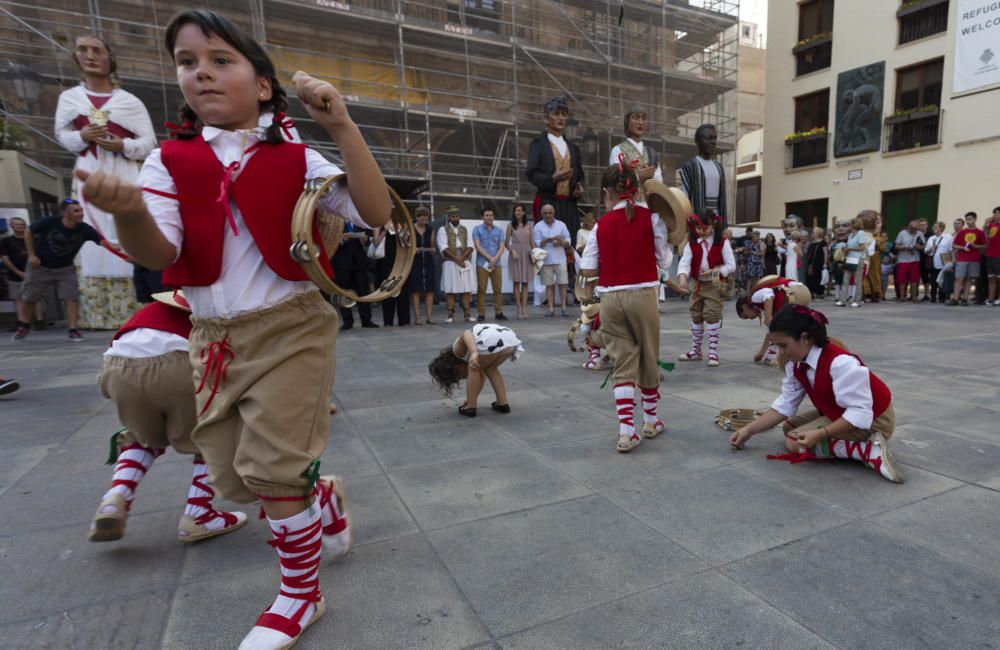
pixel 751 89
pixel 865 32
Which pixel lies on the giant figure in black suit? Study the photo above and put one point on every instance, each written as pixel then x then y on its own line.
pixel 555 169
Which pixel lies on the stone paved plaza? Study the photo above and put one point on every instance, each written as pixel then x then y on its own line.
pixel 528 530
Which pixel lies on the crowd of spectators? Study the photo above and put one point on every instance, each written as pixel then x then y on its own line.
pixel 853 262
pixel 857 261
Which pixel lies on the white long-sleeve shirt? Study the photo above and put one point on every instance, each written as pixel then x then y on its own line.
pixel 246 283
pixel 145 342
pixel 728 259
pixel 851 388
pixel 664 256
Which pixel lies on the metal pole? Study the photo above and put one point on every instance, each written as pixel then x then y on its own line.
pixel 430 155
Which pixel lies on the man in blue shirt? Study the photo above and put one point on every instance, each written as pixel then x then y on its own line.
pixel 489 243
pixel 553 236
pixel 52 243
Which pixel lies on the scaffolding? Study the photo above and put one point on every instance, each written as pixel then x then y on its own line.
pixel 448 93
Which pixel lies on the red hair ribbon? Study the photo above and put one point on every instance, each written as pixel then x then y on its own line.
pixel 227 181
pixel 817 316
pixel 631 189
pixel 187 125
pixel 286 124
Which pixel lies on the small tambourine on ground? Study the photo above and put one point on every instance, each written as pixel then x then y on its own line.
pixel 733 419
pixel 311 222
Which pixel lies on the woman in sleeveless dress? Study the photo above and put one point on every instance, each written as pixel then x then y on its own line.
pixel 520 266
pixel 421 281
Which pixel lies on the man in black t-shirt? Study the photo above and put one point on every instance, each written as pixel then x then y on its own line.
pixel 52 243
pixel 14 260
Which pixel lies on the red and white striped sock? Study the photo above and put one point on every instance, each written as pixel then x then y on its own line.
pixel 697 331
pixel 133 462
pixel 199 503
pixel 625 400
pixel 297 540
pixel 595 356
pixel 650 398
pixel 712 329
pixel 337 536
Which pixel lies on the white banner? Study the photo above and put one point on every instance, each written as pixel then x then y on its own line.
pixel 977 45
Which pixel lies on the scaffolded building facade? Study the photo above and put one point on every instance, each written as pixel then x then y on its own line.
pixel 447 92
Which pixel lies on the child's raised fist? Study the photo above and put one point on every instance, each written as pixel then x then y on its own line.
pixel 323 102
pixel 110 193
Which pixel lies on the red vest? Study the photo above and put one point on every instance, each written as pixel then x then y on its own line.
pixel 265 191
pixel 627 248
pixel 779 296
pixel 157 316
pixel 714 255
pixel 822 393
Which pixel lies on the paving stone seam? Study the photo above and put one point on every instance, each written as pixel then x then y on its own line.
pixel 53 446
pixel 81 524
pixel 422 533
pixel 917 539
pixel 638 592
pixel 787 614
pixel 707 561
pixel 167 596
pixel 936 473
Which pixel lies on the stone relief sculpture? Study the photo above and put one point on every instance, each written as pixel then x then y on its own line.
pixel 859 110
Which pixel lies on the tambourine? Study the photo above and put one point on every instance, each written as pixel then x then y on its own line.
pixel 673 207
pixel 725 285
pixel 797 294
pixel 733 419
pixel 306 250
pixel 589 309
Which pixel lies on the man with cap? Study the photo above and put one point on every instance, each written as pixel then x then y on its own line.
pixel 703 178
pixel 646 161
pixel 555 168
pixel 52 243
pixel 457 274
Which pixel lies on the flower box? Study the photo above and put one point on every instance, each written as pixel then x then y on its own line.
pixel 915 114
pixel 909 8
pixel 805 138
pixel 812 41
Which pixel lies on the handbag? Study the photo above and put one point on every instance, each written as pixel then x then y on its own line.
pixel 377 252
pixel 852 261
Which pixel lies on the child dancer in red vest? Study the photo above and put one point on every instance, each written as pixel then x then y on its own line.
pixel 705 251
pixel 768 298
pixel 147 374
pixel 628 249
pixel 216 214
pixel 853 416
